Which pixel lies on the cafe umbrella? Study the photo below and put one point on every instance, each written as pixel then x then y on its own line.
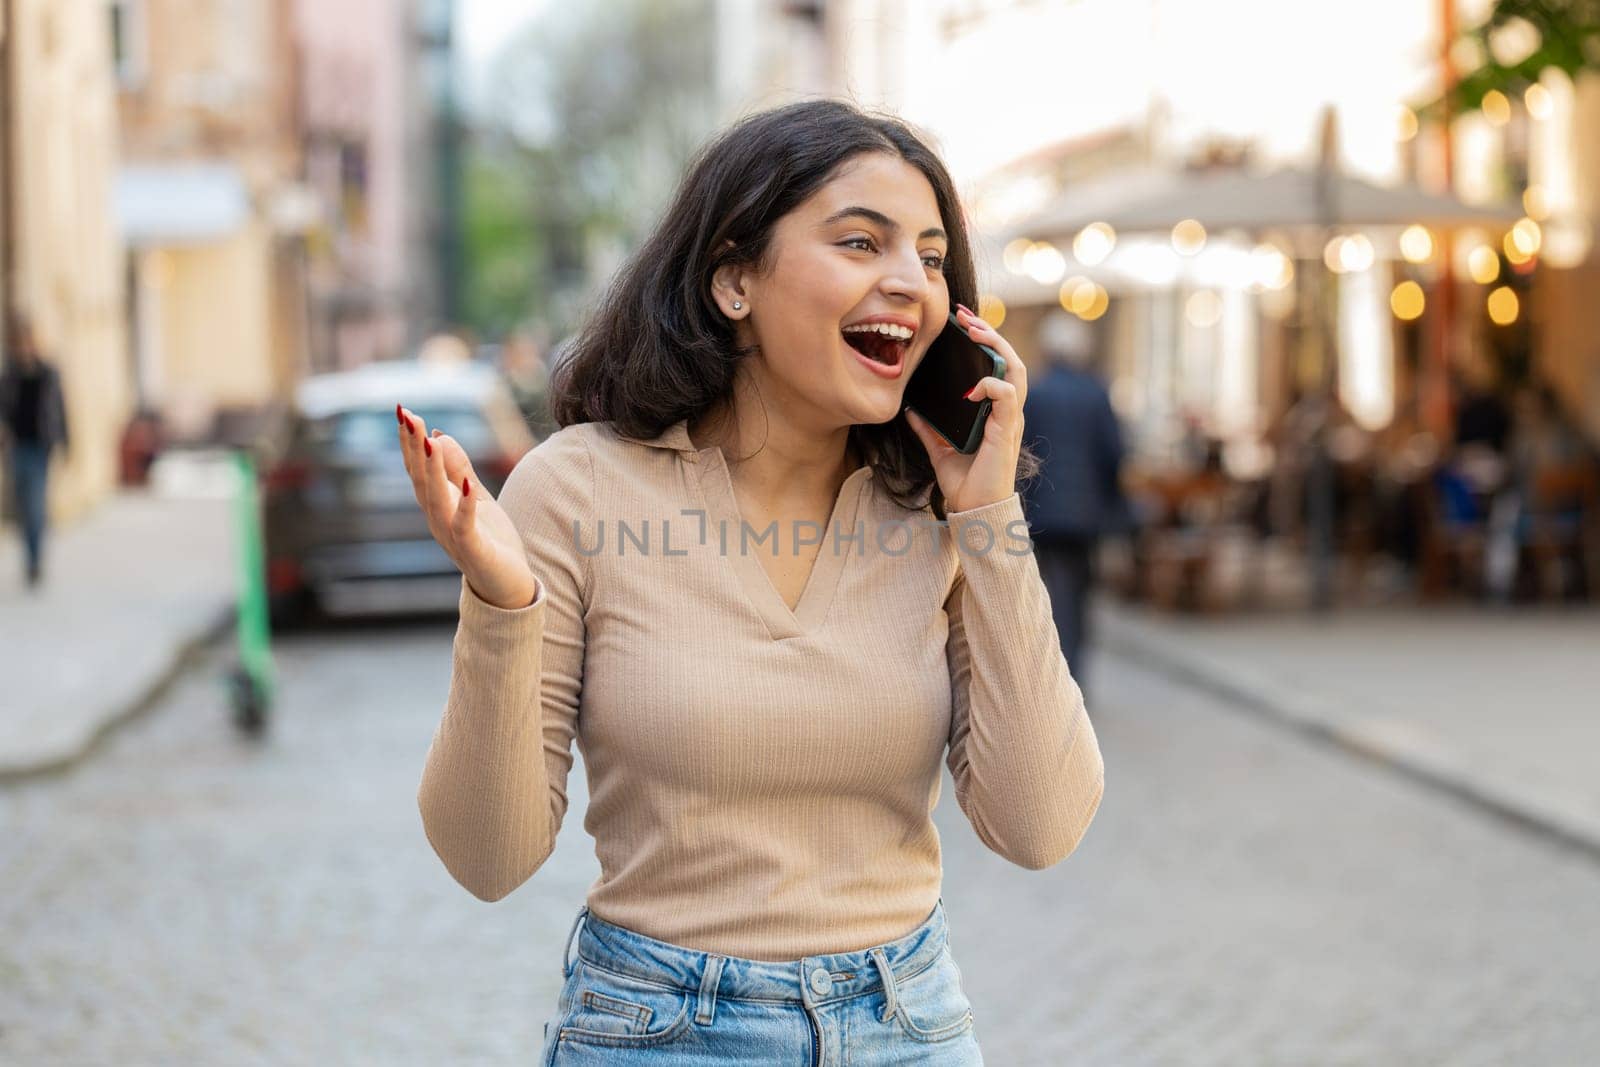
pixel 1307 206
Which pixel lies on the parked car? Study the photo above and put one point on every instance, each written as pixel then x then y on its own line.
pixel 343 530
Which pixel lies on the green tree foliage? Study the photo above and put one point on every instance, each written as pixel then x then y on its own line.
pixel 504 265
pixel 593 113
pixel 1559 34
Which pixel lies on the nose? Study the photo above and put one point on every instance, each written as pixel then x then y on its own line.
pixel 905 275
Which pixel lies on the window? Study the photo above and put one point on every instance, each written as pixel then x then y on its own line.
pixel 372 431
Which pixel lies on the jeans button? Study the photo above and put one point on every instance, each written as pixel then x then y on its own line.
pixel 821 982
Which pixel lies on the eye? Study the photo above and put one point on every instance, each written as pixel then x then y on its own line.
pixel 937 261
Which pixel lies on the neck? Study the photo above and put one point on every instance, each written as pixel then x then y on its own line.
pixel 776 456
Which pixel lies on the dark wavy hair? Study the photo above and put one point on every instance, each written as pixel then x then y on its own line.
pixel 657 349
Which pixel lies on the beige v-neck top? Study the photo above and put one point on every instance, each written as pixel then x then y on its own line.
pixel 761 780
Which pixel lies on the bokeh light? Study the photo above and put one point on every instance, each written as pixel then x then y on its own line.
pixel 1083 298
pixel 1514 253
pixel 1014 252
pixel 1356 253
pixel 1086 299
pixel 1416 244
pixel 1188 237
pixel 1538 102
pixel 1068 293
pixel 1349 253
pixel 1496 108
pixel 1098 303
pixel 1271 268
pixel 1405 123
pixel 1526 237
pixel 1044 263
pixel 1503 306
pixel 1094 243
pixel 1407 301
pixel 1513 38
pixel 1331 256
pixel 1483 264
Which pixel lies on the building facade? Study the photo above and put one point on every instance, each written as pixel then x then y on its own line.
pixel 211 205
pixel 364 142
pixel 63 260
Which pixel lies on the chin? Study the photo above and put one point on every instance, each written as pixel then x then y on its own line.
pixel 878 414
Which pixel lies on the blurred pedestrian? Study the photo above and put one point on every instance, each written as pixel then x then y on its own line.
pixel 1483 416
pixel 1479 460
pixel 33 420
pixel 522 365
pixel 1077 498
pixel 1547 455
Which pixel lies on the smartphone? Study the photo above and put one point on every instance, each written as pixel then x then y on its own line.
pixel 938 387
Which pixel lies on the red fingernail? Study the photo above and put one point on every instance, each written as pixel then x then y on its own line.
pixel 410 429
pixel 399 415
pixel 466 487
pixel 427 447
pixel 968 394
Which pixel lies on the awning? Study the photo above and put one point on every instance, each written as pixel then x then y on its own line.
pixel 1244 199
pixel 180 203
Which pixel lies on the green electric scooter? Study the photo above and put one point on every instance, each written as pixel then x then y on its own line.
pixel 252 680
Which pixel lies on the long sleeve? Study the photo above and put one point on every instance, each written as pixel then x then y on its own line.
pixel 494 785
pixel 1027 767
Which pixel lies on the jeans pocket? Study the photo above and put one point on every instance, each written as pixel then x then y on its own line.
pixel 622 1011
pixel 932 1006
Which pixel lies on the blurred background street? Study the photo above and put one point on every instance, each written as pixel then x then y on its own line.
pixel 1242 898
pixel 1330 269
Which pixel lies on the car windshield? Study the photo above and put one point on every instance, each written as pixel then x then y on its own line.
pixel 367 432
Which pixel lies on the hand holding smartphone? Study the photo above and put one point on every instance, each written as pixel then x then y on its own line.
pixel 938 387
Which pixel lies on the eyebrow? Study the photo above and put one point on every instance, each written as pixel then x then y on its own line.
pixel 881 219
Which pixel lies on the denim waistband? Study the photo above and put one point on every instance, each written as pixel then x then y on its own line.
pixel 810 980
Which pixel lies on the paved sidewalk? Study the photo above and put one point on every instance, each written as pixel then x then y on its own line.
pixel 129 589
pixel 1500 707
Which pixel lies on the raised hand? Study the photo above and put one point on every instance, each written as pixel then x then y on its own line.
pixel 469 525
pixel 990 474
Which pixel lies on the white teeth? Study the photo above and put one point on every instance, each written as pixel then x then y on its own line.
pixel 888 329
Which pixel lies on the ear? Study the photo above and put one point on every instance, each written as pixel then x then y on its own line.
pixel 729 284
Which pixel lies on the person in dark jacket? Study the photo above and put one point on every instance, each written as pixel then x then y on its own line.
pixel 33 420
pixel 1077 498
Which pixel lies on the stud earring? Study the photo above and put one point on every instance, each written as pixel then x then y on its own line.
pixel 737 305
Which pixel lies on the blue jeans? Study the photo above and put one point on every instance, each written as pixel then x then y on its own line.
pixel 30 467
pixel 630 999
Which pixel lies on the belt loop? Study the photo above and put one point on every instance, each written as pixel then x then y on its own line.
pixel 891 1004
pixel 566 967
pixel 710 978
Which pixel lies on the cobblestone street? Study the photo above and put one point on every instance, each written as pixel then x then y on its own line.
pixel 185 897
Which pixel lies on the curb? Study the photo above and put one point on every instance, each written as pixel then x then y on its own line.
pixel 147 694
pixel 1384 742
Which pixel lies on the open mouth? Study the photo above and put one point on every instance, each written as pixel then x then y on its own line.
pixel 879 348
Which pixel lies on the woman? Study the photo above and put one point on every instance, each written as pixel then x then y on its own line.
pixel 712 578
